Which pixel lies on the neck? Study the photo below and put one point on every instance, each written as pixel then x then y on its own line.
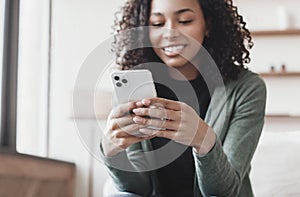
pixel 183 73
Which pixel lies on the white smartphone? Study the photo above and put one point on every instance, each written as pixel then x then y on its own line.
pixel 133 85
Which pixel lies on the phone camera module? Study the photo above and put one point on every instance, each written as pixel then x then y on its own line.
pixel 116 78
pixel 118 84
pixel 124 80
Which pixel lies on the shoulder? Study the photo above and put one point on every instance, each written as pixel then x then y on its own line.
pixel 246 97
pixel 248 89
pixel 247 76
pixel 247 83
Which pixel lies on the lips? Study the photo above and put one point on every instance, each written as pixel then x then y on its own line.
pixel 174 50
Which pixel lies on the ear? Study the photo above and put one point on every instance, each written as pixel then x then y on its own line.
pixel 208 27
pixel 207 33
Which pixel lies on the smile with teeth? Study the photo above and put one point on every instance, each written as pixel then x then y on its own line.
pixel 175 49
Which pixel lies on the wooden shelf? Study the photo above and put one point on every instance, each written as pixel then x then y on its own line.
pixel 281 116
pixel 280 74
pixel 290 32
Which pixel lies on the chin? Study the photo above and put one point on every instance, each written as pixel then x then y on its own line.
pixel 175 63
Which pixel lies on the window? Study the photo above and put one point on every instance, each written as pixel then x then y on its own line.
pixel 1 43
pixel 9 74
pixel 33 77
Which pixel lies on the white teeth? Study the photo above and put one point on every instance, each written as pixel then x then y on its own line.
pixel 174 48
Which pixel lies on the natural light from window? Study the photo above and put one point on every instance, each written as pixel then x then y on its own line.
pixel 33 77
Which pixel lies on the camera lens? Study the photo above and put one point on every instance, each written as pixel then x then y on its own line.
pixel 124 80
pixel 118 84
pixel 116 78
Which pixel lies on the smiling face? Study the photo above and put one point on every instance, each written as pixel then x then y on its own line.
pixel 177 29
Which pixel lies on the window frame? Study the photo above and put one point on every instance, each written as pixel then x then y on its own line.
pixel 9 76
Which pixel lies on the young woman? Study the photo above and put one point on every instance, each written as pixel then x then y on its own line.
pixel 213 136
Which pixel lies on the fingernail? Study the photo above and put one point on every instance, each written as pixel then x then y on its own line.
pixel 136 110
pixel 139 103
pixel 146 101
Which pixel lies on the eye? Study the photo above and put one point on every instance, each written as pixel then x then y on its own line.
pixel 185 21
pixel 157 24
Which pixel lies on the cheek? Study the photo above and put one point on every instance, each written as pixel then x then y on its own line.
pixel 196 32
pixel 197 35
pixel 154 37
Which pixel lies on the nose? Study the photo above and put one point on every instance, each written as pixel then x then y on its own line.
pixel 170 34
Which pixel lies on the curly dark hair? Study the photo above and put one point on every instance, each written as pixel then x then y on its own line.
pixel 228 40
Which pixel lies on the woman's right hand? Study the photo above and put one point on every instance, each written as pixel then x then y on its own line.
pixel 121 131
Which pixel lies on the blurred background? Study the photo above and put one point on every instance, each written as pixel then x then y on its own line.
pixel 57 36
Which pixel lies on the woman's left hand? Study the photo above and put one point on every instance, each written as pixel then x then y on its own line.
pixel 176 121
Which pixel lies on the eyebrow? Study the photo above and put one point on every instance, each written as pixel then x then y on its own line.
pixel 184 10
pixel 176 13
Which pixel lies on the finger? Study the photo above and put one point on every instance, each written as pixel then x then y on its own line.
pixel 129 130
pixel 163 103
pixel 123 121
pixel 165 124
pixel 133 139
pixel 122 109
pixel 124 143
pixel 158 133
pixel 157 113
pixel 139 104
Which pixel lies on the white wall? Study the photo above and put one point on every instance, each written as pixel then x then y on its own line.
pixel 283 93
pixel 77 28
pixel 283 96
